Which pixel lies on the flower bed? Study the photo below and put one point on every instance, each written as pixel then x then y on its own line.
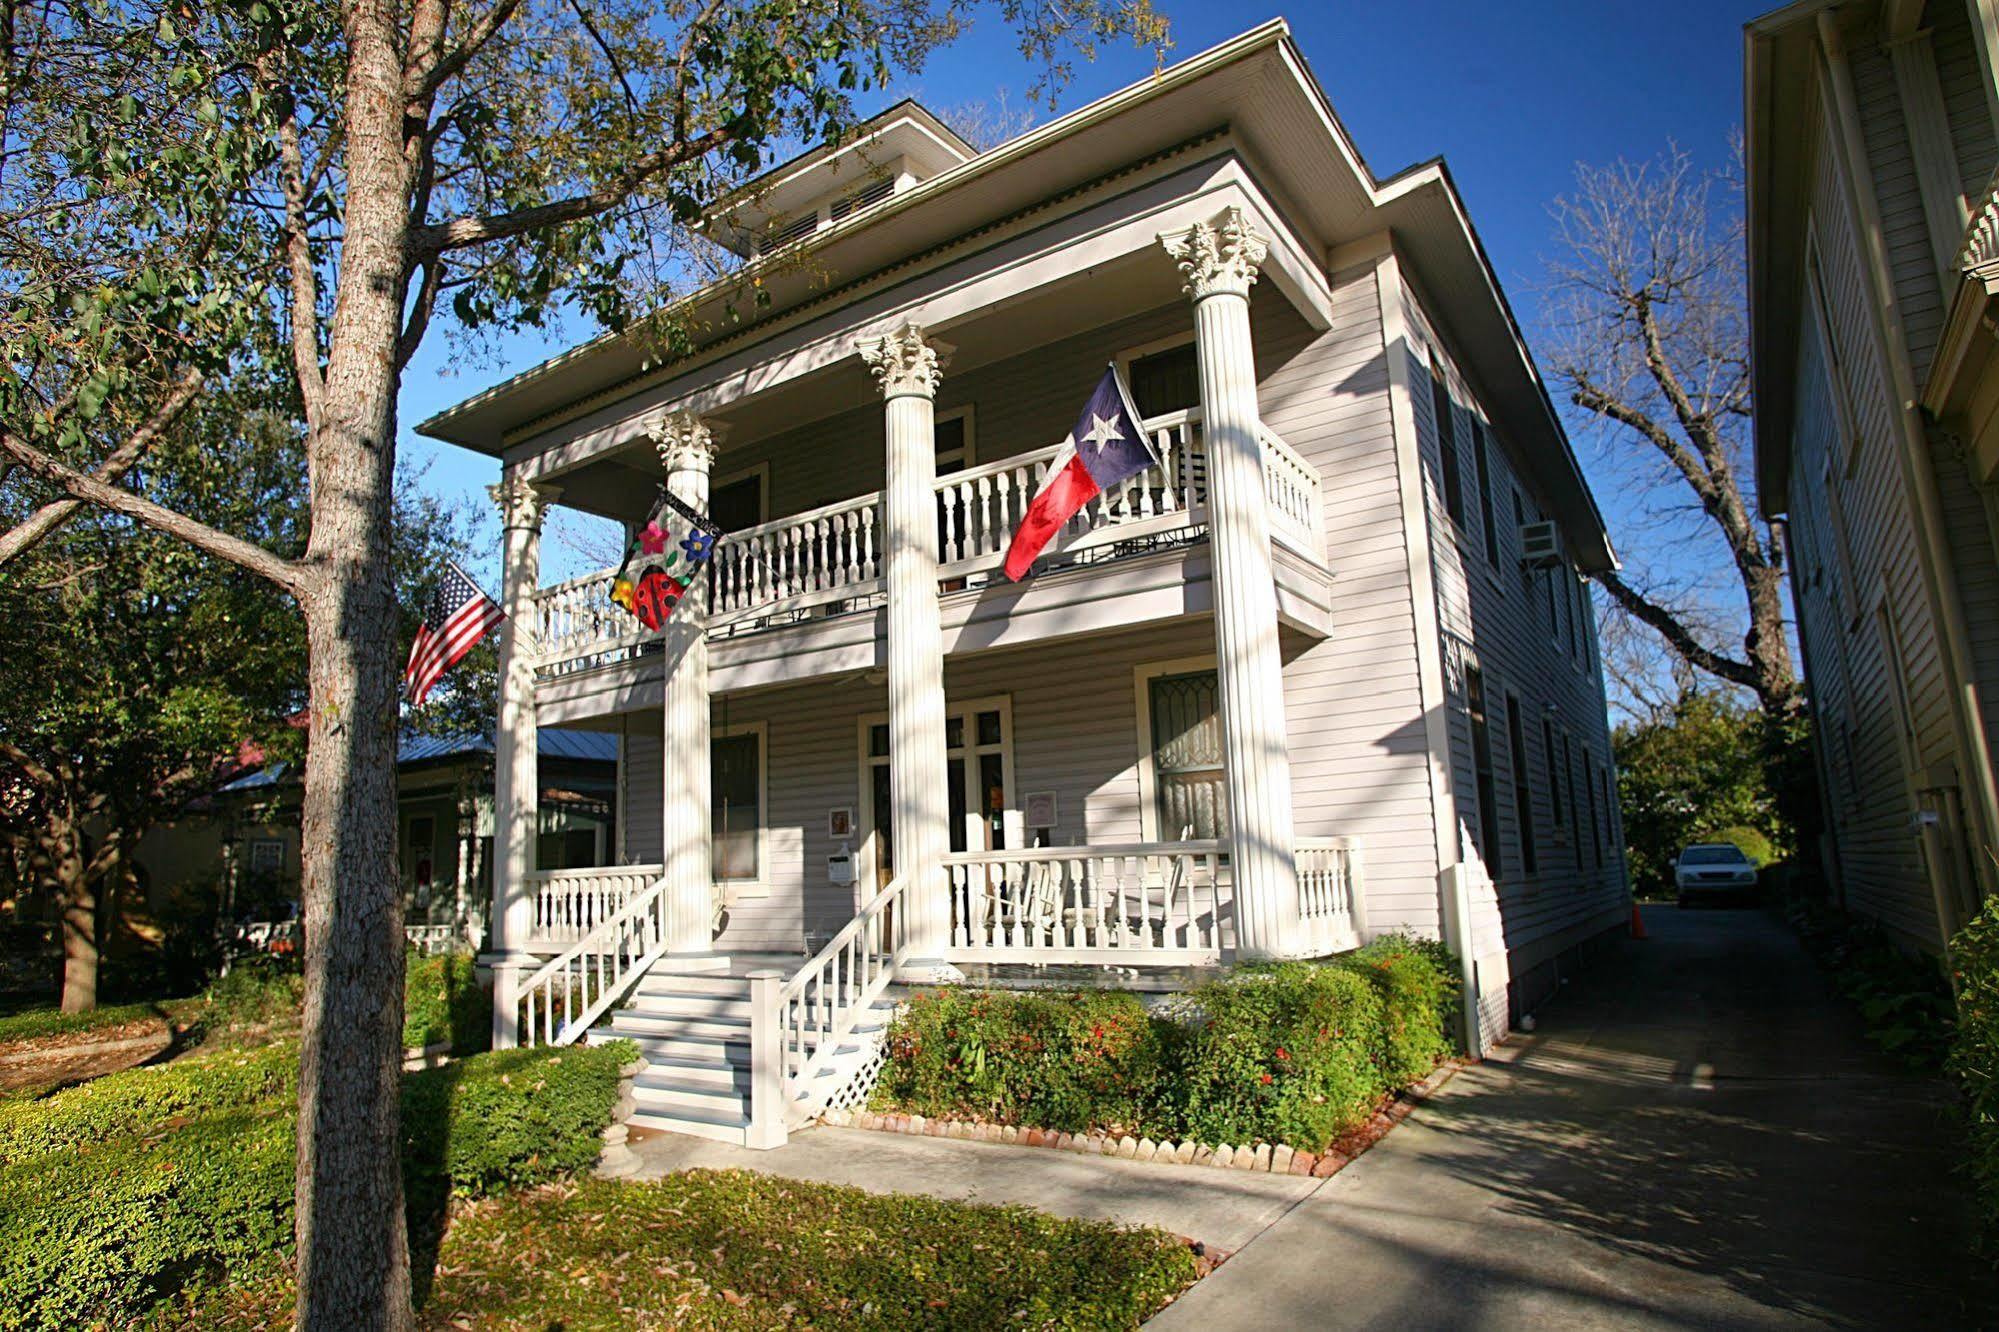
pixel 1293 1054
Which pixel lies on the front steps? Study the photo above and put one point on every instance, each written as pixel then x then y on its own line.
pixel 693 1030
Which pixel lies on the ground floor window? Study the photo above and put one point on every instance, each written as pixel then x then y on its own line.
pixel 736 799
pixel 1481 748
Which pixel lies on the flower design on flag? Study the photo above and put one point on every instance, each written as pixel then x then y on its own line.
pixel 653 540
pixel 622 593
pixel 699 546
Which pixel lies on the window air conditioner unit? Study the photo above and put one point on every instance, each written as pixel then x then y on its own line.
pixel 1540 545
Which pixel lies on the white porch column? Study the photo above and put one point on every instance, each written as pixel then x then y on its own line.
pixel 515 787
pixel 687 451
pixel 1219 263
pixel 907 367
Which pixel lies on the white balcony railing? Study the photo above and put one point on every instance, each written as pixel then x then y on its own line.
pixel 1330 903
pixel 834 554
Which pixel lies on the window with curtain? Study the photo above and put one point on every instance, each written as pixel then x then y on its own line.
pixel 1188 785
pixel 736 784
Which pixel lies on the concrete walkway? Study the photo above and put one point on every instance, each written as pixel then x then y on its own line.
pixel 1223 1208
pixel 1697 1135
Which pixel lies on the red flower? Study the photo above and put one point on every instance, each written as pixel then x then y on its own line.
pixel 1266 1079
pixel 1282 1053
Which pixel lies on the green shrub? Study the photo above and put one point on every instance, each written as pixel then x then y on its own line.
pixel 256 995
pixel 444 1001
pixel 1296 1052
pixel 1066 1061
pixel 508 1118
pixel 1418 983
pixel 120 1192
pixel 99 1235
pixel 1751 842
pixel 1287 1054
pixel 139 1099
pixel 39 1023
pixel 1974 1052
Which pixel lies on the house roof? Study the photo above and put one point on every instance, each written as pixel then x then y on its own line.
pixel 1257 88
pixel 411 750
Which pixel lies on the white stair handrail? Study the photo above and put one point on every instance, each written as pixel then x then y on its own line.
pixel 594 972
pixel 798 1025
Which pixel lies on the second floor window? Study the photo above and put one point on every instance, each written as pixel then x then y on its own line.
pixel 1447 443
pixel 1165 381
pixel 1481 442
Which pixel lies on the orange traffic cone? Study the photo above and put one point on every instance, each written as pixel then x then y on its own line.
pixel 1637 922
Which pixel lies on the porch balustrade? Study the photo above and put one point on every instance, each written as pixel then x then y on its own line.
pixel 835 553
pixel 1330 905
pixel 1165 902
pixel 569 904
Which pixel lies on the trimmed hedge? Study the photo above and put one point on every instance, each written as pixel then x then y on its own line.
pixel 1293 1052
pixel 119 1193
pixel 444 1001
pixel 1974 1053
pixel 1066 1061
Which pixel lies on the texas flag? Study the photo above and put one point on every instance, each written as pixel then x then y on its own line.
pixel 1106 447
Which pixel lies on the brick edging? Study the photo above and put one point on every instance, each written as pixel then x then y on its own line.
pixel 1258 1157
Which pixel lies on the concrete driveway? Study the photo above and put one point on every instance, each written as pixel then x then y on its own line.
pixel 1697 1135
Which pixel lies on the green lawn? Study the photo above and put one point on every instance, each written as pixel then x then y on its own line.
pixel 732 1249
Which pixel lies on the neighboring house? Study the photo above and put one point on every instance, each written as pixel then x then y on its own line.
pixel 1328 671
pixel 1872 228
pixel 245 840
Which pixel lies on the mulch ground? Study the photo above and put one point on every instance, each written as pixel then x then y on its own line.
pixel 59 1060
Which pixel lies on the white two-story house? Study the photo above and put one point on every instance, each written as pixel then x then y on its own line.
pixel 1328 670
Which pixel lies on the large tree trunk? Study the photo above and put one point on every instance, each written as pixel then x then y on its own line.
pixel 352 1242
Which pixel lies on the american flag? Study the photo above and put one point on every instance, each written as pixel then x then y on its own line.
pixel 458 616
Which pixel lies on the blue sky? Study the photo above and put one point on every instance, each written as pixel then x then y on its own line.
pixel 1512 95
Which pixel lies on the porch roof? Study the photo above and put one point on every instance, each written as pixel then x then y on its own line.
pixel 1257 89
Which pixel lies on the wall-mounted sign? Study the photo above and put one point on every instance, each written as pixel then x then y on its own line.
pixel 1038 808
pixel 840 822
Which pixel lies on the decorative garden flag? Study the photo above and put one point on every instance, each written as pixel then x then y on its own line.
pixel 665 558
pixel 1107 447
pixel 457 617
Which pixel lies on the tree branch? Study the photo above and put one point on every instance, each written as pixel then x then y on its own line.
pixel 424 83
pixel 461 233
pixel 304 282
pixel 1669 627
pixel 30 532
pixel 419 315
pixel 285 573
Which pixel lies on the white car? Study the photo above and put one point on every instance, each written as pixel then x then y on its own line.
pixel 1713 869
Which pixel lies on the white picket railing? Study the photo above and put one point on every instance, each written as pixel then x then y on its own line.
pixel 1330 902
pixel 570 903
pixel 1293 489
pixel 825 554
pixel 1167 902
pixel 798 1024
pixel 835 553
pixel 565 995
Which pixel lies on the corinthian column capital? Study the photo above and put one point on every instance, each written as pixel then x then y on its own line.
pixel 1217 259
pixel 685 442
pixel 905 362
pixel 522 502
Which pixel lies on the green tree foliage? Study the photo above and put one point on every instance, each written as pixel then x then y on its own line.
pixel 310 184
pixel 1700 773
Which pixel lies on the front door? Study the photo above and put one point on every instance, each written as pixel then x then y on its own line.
pixel 978 765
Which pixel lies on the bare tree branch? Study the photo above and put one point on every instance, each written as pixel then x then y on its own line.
pixel 1670 628
pixel 285 573
pixel 32 530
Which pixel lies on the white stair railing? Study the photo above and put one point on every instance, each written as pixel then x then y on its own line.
pixel 797 1024
pixel 561 999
